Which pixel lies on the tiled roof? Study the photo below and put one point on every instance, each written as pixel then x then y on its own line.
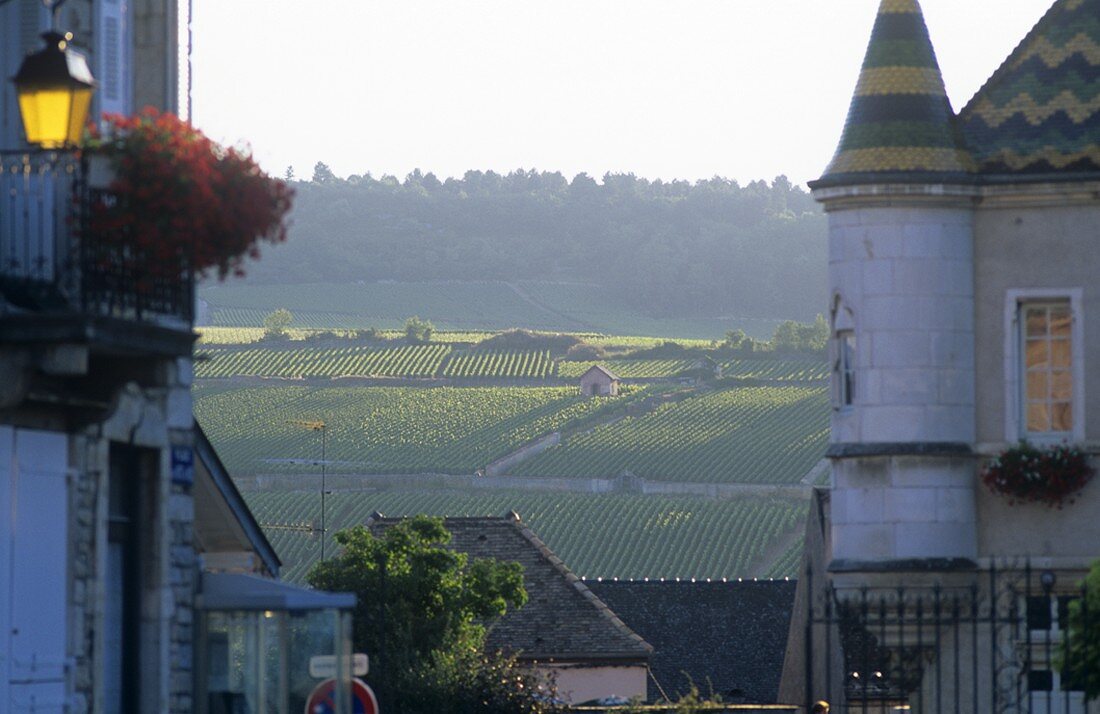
pixel 1040 112
pixel 900 123
pixel 604 370
pixel 563 619
pixel 728 637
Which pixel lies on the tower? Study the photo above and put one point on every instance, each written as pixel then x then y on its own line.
pixel 900 198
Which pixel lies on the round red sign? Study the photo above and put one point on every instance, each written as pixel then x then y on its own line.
pixel 322 700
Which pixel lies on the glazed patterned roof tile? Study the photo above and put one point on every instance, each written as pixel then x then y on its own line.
pixel 900 123
pixel 1040 112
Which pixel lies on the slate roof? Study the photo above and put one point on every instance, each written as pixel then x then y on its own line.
pixel 602 369
pixel 562 620
pixel 900 123
pixel 1040 112
pixel 728 637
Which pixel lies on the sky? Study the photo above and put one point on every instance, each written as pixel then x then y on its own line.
pixel 671 89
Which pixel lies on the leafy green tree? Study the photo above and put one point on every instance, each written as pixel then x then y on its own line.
pixel 418 331
pixel 276 323
pixel 791 336
pixel 421 615
pixel 322 174
pixel 1081 648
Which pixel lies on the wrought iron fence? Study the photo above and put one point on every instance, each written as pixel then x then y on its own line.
pixel 52 260
pixel 989 641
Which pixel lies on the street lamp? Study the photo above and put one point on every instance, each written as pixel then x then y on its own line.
pixel 55 88
pixel 318 425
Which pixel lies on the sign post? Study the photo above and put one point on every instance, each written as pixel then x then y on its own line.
pixel 322 700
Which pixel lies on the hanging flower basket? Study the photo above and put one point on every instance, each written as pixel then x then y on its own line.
pixel 177 198
pixel 1028 474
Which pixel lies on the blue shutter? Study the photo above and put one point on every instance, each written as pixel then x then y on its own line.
pixel 39 573
pixel 112 57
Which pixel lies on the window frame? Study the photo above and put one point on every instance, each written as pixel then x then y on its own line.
pixel 1015 385
pixel 844 362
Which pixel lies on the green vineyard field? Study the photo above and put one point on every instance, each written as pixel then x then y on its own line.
pixel 743 435
pixel 628 369
pixel 481 363
pixel 398 430
pixel 607 535
pixel 783 370
pixel 304 361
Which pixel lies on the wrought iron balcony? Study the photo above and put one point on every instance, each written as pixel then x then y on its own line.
pixel 53 262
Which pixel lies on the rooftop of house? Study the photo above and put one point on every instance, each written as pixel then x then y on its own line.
pixel 562 620
pixel 728 638
pixel 600 369
pixel 1038 115
pixel 1040 111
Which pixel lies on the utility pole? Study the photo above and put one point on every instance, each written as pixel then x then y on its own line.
pixel 321 426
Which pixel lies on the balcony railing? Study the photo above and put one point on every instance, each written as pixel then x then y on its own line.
pixel 51 260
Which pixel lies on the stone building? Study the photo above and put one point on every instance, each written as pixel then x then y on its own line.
pixel 965 315
pixel 599 381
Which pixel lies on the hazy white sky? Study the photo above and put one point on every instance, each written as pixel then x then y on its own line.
pixel 747 89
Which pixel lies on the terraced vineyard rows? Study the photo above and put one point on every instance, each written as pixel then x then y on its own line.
pixel 628 369
pixel 302 361
pixel 608 535
pixel 786 370
pixel 400 430
pixel 745 435
pixel 484 363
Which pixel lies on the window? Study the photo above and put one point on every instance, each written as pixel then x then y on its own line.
pixel 846 367
pixel 1047 349
pixel 1044 366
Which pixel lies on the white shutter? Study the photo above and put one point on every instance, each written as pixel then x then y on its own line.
pixel 112 57
pixel 39 569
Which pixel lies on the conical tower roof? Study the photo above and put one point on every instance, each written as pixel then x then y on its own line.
pixel 900 125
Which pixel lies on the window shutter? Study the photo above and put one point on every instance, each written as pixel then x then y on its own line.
pixel 39 572
pixel 112 57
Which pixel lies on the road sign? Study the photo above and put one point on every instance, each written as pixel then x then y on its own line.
pixel 324 666
pixel 322 700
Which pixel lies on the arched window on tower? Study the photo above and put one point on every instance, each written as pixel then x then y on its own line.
pixel 844 354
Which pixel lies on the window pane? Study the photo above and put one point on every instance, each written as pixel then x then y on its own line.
pixel 1062 416
pixel 1061 387
pixel 1059 353
pixel 1036 322
pixel 1038 418
pixel 1060 323
pixel 1037 353
pixel 1037 385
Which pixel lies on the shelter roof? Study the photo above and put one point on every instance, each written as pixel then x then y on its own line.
pixel 563 619
pixel 729 637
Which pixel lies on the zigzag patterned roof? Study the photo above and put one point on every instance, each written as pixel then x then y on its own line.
pixel 900 123
pixel 1040 112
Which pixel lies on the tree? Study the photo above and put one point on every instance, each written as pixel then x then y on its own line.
pixel 323 174
pixel 1081 647
pixel 418 331
pixel 276 324
pixel 421 615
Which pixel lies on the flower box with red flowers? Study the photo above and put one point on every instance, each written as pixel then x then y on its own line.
pixel 176 198
pixel 1030 474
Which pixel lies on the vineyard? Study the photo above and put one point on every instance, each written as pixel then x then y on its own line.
pixel 483 363
pixel 296 362
pixel 609 535
pixel 746 435
pixel 397 430
pixel 629 369
pixel 781 370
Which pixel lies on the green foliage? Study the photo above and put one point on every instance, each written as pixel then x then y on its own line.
pixel 793 336
pixel 276 323
pixel 484 363
pixel 598 535
pixel 421 613
pixel 712 247
pixel 525 340
pixel 743 435
pixel 418 331
pixel 1081 648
